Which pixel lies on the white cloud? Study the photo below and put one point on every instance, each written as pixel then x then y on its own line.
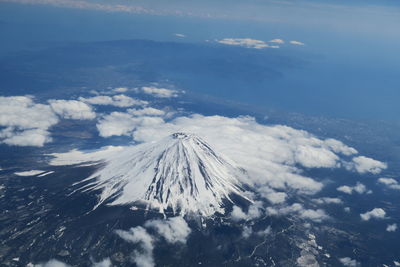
pixel 246 232
pixel 349 262
pixel 116 123
pixel 56 263
pixel 104 263
pixel 272 196
pixel 31 137
pixel 307 259
pixel 315 157
pixel 121 101
pixel 358 188
pixel 72 109
pixel 328 200
pixel 246 42
pixel 390 182
pixel 146 112
pixel 119 123
pixel 78 157
pixel 296 43
pixel 139 235
pixel 376 213
pixel 391 227
pixel 238 214
pixel 364 165
pixel 26 122
pixel 50 263
pixel 254 211
pixel 174 230
pixel 158 92
pixel 29 173
pixel 120 89
pixel 318 215
pixel 265 232
pixel 180 35
pixel 277 41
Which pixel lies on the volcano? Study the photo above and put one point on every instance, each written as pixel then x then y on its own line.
pixel 180 173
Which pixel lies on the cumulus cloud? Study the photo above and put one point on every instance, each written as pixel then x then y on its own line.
pixel 158 92
pixel 72 109
pixel 146 112
pixel 273 196
pixel 56 263
pixel 358 188
pixel 391 227
pixel 376 213
pixel 318 215
pixel 238 214
pixel 29 137
pixel 328 200
pixel 297 209
pixel 346 261
pixel 390 183
pixel 307 259
pixel 174 230
pixel 264 232
pixel 104 263
pixel 246 42
pixel 296 43
pixel 50 263
pixel 120 89
pixel 120 123
pixel 26 123
pixel 139 235
pixel 254 212
pixel 121 101
pixel 277 41
pixel 364 165
pixel 247 231
pixel 308 253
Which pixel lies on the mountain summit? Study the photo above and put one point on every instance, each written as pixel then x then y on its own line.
pixel 181 172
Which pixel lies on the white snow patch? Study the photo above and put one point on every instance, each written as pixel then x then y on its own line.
pixel 29 173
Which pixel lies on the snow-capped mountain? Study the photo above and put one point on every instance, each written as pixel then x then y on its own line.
pixel 181 172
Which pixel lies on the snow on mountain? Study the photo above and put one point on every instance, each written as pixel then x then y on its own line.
pixel 181 172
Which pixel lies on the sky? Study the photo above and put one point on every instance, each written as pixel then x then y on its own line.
pixel 350 46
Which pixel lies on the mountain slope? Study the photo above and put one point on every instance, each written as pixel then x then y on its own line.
pixel 180 172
